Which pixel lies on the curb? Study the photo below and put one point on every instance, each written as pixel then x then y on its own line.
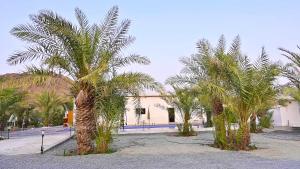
pixel 157 133
pixel 58 143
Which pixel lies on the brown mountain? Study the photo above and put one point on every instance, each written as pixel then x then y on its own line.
pixel 35 85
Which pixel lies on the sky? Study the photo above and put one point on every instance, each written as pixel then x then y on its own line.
pixel 167 30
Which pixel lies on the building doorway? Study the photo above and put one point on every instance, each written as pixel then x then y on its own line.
pixel 171 113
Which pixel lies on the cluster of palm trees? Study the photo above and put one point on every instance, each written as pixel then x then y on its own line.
pixel 223 83
pixel 231 86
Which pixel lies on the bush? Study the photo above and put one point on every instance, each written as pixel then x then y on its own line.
pixel 190 131
pixel 57 118
pixel 266 121
pixel 103 139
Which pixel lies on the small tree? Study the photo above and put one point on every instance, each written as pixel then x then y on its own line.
pixel 186 103
pixel 51 107
pixel 110 102
pixel 8 100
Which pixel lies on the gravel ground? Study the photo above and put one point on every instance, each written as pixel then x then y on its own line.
pixel 167 151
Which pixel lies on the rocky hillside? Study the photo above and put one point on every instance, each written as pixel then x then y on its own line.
pixel 35 85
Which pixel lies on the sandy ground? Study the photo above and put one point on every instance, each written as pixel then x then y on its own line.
pixel 276 149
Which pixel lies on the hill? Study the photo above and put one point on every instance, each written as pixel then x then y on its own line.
pixel 35 85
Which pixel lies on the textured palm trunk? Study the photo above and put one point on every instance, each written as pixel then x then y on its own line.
pixel 208 115
pixel 219 123
pixel 217 106
pixel 186 126
pixel 253 127
pixel 85 120
pixel 244 140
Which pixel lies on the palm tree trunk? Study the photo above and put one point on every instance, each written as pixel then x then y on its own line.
pixel 85 120
pixel 219 123
pixel 217 106
pixel 253 128
pixel 186 126
pixel 208 117
pixel 244 140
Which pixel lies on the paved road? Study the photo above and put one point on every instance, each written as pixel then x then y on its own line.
pixel 38 131
pixel 29 141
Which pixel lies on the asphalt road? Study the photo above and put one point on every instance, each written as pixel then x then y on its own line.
pixel 38 131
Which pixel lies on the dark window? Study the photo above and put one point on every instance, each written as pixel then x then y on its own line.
pixel 140 111
pixel 171 112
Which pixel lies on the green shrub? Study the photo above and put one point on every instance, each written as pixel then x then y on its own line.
pixel 190 131
pixel 57 118
pixel 266 121
pixel 103 139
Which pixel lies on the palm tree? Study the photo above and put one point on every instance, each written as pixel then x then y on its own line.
pixel 207 71
pixel 252 90
pixel 111 99
pixel 84 52
pixel 48 104
pixel 8 100
pixel 186 103
pixel 291 70
pixel 233 85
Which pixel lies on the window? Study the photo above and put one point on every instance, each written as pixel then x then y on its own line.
pixel 140 111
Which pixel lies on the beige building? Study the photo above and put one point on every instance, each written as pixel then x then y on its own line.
pixel 288 115
pixel 154 110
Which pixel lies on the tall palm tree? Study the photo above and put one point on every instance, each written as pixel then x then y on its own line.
pixel 84 52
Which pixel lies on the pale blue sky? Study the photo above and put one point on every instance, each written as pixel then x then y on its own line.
pixel 168 29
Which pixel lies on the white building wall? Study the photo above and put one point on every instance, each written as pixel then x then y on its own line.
pixel 157 108
pixel 287 115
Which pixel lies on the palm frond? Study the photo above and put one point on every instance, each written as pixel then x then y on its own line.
pixel 292 56
pixel 31 53
pixel 221 45
pixel 235 49
pixel 109 24
pixel 132 82
pixel 131 59
pixel 291 70
pixel 81 19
